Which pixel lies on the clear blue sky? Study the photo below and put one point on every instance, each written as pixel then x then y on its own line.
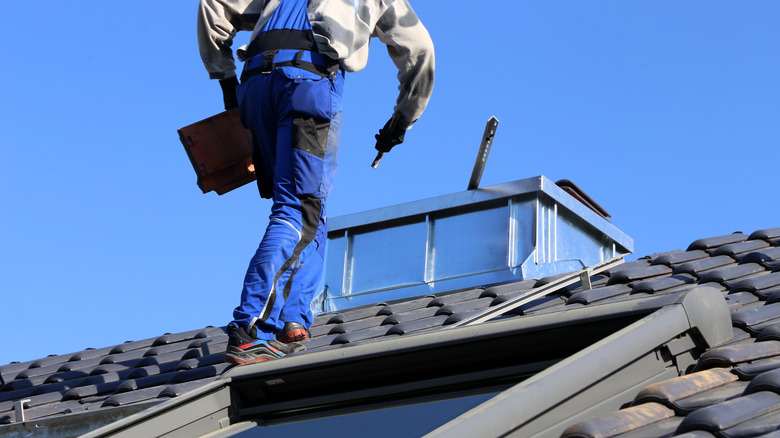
pixel 666 113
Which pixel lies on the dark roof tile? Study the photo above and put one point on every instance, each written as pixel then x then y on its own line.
pixel 355 314
pixel 770 295
pixel 757 283
pixel 151 370
pixel 710 243
pixel 127 398
pixel 728 276
pixel 405 306
pixel 766 234
pixel 698 268
pixel 710 397
pixel 598 294
pixel 756 316
pixel 595 281
pixel 758 426
pixel 413 315
pixel 374 332
pixel 630 275
pixel 507 291
pixel 81 392
pixel 21 384
pixel 737 250
pixel 553 306
pixel 671 391
pixel 198 373
pixel 770 333
pixel 419 325
pixel 319 330
pixel 171 338
pixel 549 279
pixel 145 382
pixel 656 255
pixel 132 345
pixel 767 381
pixel 459 297
pixel 661 284
pixel 738 336
pixel 89 353
pixel 459 316
pixel 731 413
pixel 768 257
pixel 748 371
pixel 320 341
pixel 209 346
pixel 738 300
pixel 357 325
pixel 40 371
pixel 663 428
pixel 174 356
pixel 183 388
pixel 730 355
pixel 636 264
pixel 128 358
pixel 620 422
pixel 540 304
pixel 65 376
pixel 465 306
pixel 679 257
pixel 49 360
pixel 213 359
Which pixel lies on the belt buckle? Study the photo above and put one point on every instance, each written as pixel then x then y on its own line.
pixel 268 62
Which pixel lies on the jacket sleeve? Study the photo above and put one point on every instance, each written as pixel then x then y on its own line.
pixel 218 23
pixel 411 49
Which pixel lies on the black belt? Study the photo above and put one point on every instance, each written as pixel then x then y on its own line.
pixel 266 62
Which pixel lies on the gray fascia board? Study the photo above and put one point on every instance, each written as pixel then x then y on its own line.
pixel 167 414
pixel 527 406
pixel 74 424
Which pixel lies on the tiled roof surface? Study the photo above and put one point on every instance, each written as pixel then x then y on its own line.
pixel 734 387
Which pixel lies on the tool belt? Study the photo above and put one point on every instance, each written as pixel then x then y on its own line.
pixel 266 62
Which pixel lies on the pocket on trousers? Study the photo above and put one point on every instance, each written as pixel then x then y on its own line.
pixel 312 97
pixel 310 139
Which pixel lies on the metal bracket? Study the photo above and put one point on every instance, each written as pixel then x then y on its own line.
pixel 19 408
pixel 585 279
pixel 484 150
pixel 539 292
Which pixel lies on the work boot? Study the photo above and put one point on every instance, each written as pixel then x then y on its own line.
pixel 292 332
pixel 245 348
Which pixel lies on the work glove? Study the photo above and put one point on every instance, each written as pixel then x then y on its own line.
pixel 391 135
pixel 229 92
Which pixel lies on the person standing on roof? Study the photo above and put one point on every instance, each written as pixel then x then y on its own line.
pixel 290 98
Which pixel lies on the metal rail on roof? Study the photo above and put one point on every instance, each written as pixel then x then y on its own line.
pixel 581 275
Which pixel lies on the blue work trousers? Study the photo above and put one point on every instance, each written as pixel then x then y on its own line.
pixel 295 116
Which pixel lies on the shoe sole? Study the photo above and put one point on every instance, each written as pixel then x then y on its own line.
pixel 238 356
pixel 236 361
